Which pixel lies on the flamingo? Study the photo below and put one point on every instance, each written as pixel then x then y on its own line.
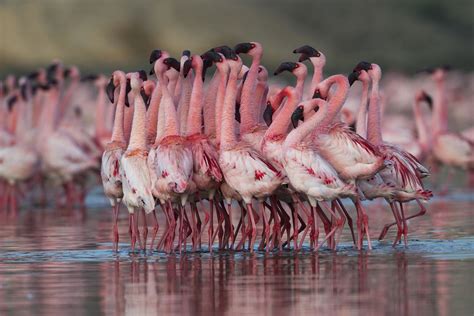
pixel 307 171
pixel 206 171
pixel 404 171
pixel 136 181
pixel 110 167
pixel 451 149
pixel 318 59
pixel 170 160
pixel 18 161
pixel 352 156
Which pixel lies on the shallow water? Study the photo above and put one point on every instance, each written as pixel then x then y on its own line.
pixel 56 262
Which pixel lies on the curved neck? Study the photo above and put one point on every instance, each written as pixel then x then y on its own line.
pixel 209 110
pixel 337 99
pixel 228 137
pixel 374 131
pixel 280 125
pixel 138 132
pixel 195 106
pixel 440 111
pixel 117 129
pixel 361 121
pixel 219 104
pixel 316 79
pixel 247 99
pixel 297 135
pixel 300 85
pixel 259 95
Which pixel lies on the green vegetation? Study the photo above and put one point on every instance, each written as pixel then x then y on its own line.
pixel 105 35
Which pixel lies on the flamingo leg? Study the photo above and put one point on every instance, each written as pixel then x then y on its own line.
pixel 266 229
pixel 162 241
pixel 405 227
pixel 349 219
pixel 253 227
pixel 231 228
pixel 194 228
pixel 137 231
pixel 145 229
pixel 156 226
pixel 134 232
pixel 363 222
pixel 393 207
pixel 211 224
pixel 115 226
pixel 243 234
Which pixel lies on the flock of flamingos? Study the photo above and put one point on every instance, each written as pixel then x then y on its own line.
pixel 285 158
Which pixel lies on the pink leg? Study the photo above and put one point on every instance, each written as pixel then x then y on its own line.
pixel 363 224
pixel 231 232
pixel 145 229
pixel 405 227
pixel 253 227
pixel 243 234
pixel 266 229
pixel 156 226
pixel 211 224
pixel 115 226
pixel 349 219
pixel 134 232
pixel 420 213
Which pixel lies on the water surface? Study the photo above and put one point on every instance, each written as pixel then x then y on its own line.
pixel 57 262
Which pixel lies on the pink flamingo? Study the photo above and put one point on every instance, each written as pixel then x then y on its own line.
pixel 318 59
pixel 206 174
pixel 404 171
pixel 308 172
pixel 451 149
pixel 352 156
pixel 244 169
pixel 170 160
pixel 136 181
pixel 110 167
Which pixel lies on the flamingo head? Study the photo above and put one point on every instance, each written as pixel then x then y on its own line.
pixel 375 72
pixel 308 52
pixel 360 75
pixel 423 96
pixel 251 48
pixel 311 105
pixel 262 73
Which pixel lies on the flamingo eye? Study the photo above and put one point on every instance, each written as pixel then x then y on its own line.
pixel 301 107
pixel 252 45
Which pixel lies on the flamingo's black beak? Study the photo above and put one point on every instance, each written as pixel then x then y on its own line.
pixel 11 102
pixel 298 114
pixel 186 52
pixel 286 66
pixel 306 52
pixel 142 74
pixel 428 99
pixel 237 112
pixel 353 76
pixel 155 55
pixel 127 90
pixel 66 72
pixel 268 114
pixel 172 63
pixel 243 48
pixel 363 65
pixel 145 97
pixel 110 89
pixel 188 64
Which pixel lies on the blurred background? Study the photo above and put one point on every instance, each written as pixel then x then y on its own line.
pixel 104 35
